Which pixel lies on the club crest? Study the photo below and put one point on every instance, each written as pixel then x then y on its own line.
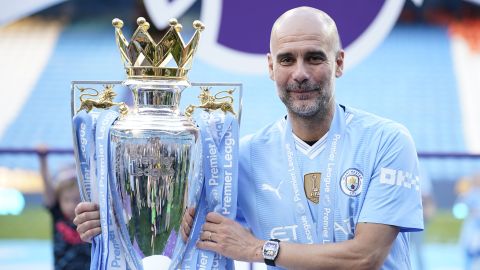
pixel 311 184
pixel 351 182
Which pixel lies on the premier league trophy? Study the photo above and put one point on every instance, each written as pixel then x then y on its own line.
pixel 144 166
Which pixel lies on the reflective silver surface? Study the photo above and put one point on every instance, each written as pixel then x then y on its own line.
pixel 152 152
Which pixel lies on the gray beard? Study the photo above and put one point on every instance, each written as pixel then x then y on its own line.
pixel 318 108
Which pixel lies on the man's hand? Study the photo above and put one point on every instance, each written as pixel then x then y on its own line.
pixel 230 239
pixel 187 221
pixel 87 219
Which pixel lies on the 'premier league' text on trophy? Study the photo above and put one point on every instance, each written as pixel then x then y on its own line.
pixel 144 166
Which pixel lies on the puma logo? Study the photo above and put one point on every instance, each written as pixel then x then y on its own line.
pixel 276 190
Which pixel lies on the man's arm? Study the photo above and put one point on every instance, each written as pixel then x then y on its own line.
pixel 367 250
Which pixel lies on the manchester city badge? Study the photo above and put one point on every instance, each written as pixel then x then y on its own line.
pixel 351 182
pixel 311 184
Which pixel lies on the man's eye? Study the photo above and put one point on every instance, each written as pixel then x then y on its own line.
pixel 316 59
pixel 286 61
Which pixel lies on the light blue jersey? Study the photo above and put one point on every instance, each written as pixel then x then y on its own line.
pixel 364 170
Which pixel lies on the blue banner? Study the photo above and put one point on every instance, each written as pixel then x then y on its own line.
pixel 219 138
pixel 83 133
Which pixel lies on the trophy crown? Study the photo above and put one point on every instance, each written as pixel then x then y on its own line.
pixel 170 58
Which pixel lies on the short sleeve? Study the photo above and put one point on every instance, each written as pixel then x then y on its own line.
pixel 393 194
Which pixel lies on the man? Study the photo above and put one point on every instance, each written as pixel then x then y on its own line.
pixel 335 187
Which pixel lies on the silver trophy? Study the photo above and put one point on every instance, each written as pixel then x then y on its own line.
pixel 153 149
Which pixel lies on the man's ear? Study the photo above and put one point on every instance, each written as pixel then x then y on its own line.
pixel 270 66
pixel 339 63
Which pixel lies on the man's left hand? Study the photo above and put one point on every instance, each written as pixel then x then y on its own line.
pixel 230 239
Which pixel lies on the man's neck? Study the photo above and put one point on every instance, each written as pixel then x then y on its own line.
pixel 312 128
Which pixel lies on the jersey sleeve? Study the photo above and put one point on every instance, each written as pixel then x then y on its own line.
pixel 393 194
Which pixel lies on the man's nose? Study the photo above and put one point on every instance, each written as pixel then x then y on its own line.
pixel 300 74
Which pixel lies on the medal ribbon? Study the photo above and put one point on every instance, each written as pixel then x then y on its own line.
pixel 323 231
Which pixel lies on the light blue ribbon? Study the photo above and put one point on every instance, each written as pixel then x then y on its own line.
pixel 323 232
pixel 220 147
pixel 219 137
pixel 84 128
pixel 113 255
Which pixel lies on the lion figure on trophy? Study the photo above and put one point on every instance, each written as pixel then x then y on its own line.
pixel 104 101
pixel 209 102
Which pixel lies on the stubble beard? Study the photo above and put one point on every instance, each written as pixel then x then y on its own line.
pixel 317 107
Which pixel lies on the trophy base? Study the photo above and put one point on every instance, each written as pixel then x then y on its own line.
pixel 156 262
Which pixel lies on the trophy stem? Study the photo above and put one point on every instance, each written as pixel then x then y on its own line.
pixel 157 96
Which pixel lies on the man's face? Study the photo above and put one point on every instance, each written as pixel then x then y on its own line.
pixel 304 62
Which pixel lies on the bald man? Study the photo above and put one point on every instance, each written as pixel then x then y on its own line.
pixel 337 187
pixel 326 186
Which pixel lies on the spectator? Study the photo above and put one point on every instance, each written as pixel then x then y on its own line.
pixel 61 195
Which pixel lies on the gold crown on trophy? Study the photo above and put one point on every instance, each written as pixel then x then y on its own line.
pixel 145 59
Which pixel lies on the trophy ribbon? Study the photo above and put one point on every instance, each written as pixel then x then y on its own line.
pixel 83 132
pixel 112 255
pixel 83 128
pixel 219 136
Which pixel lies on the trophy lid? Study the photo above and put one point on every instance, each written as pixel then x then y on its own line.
pixel 144 59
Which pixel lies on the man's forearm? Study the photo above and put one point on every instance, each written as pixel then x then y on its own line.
pixel 367 250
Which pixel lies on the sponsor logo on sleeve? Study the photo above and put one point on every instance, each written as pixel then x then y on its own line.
pixel 399 178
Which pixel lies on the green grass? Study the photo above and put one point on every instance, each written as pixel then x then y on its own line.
pixel 32 223
pixel 443 228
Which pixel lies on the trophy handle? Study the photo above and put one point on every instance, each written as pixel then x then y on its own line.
pixel 96 99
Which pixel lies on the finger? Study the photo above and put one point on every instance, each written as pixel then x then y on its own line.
pixel 85 207
pixel 207 236
pixel 187 221
pixel 186 229
pixel 215 218
pixel 191 211
pixel 210 227
pixel 89 225
pixel 188 218
pixel 184 234
pixel 88 235
pixel 207 245
pixel 203 236
pixel 86 216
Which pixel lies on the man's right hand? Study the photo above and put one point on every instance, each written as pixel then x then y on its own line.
pixel 87 219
